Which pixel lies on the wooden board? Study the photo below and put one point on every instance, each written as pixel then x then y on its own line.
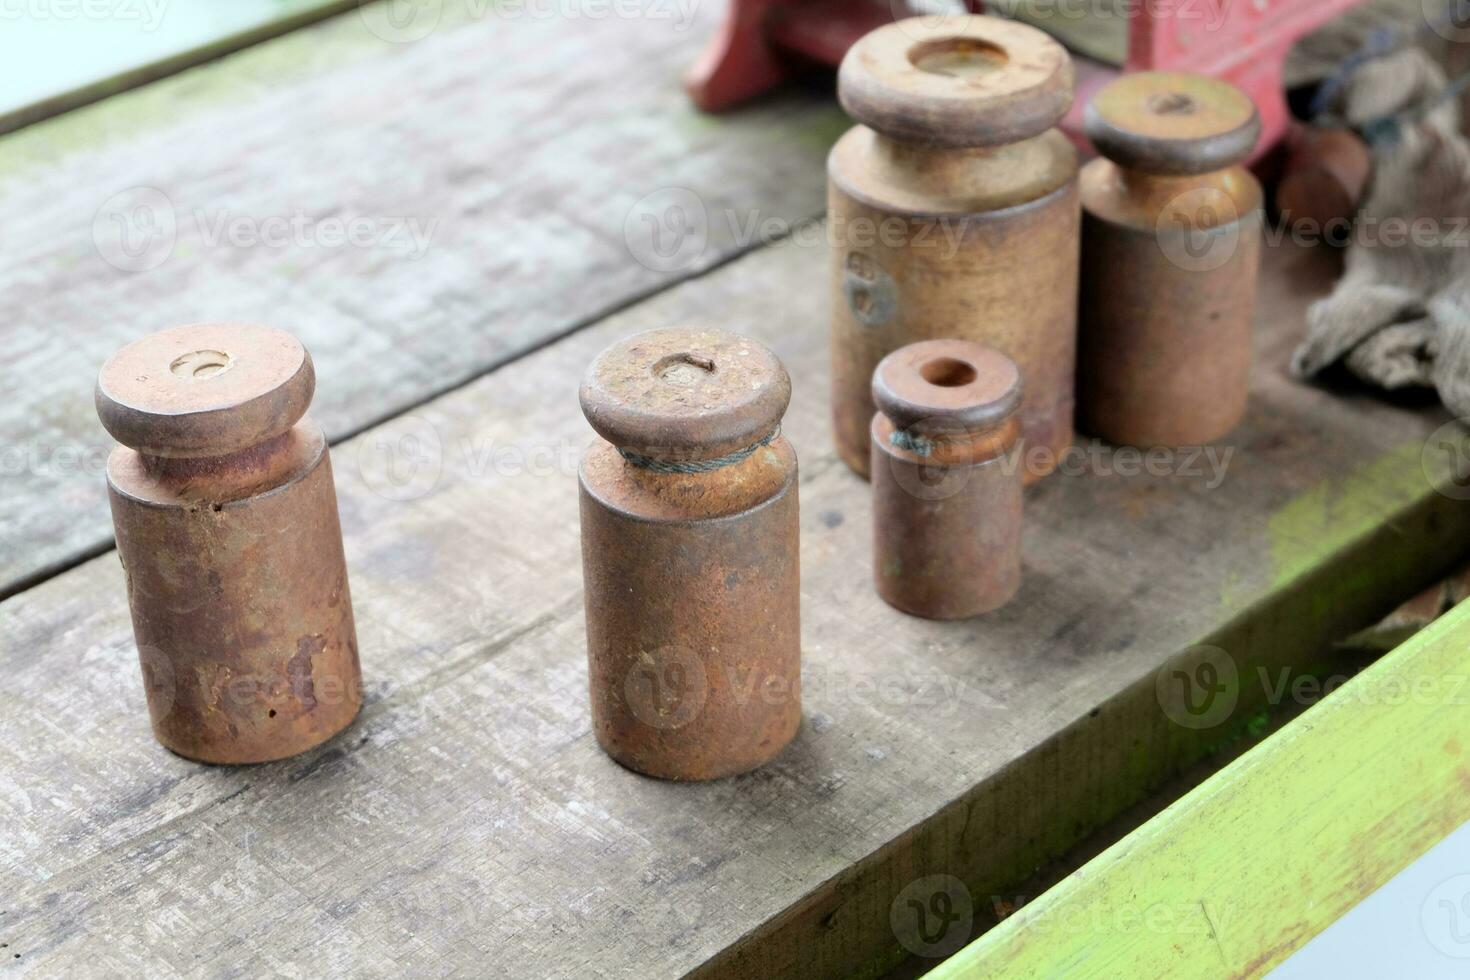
pixel 493 169
pixel 1316 818
pixel 469 822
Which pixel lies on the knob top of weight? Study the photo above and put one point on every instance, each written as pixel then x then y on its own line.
pixel 1173 124
pixel 937 386
pixel 206 389
pixel 957 81
pixel 691 394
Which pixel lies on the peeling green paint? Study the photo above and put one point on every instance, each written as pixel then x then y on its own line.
pixel 1320 521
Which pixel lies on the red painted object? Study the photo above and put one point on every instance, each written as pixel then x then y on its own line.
pixel 1242 41
pixel 761 41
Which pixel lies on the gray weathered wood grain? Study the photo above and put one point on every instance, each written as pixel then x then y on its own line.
pixel 516 147
pixel 469 824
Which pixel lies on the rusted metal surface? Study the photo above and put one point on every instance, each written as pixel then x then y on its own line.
pixel 946 485
pixel 1170 252
pixel 226 519
pixel 953 211
pixel 690 555
pixel 1326 177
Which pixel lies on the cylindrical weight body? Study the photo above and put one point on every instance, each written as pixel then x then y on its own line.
pixel 947 535
pixel 240 607
pixel 1165 350
pixel 690 555
pixel 1170 251
pixel 954 214
pixel 693 619
pixel 226 520
pixel 946 479
pixel 1005 278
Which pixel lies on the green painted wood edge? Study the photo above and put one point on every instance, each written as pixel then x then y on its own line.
pixel 1268 852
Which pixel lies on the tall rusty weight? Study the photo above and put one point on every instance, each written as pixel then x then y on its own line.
pixel 1171 250
pixel 954 213
pixel 690 554
pixel 946 482
pixel 226 519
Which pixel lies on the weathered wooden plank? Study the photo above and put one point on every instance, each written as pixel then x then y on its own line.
pixel 493 170
pixel 469 822
pixel 1268 852
pixel 64 55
